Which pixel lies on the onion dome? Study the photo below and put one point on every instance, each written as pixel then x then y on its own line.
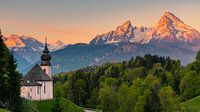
pixel 46 57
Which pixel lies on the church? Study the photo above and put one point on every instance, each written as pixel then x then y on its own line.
pixel 37 84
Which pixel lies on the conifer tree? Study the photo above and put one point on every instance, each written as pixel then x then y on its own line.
pixel 9 80
pixel 3 72
pixel 14 78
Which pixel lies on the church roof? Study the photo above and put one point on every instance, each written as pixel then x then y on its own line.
pixel 34 75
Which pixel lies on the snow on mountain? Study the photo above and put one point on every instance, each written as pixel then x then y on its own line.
pixel 13 41
pixel 172 29
pixel 123 33
pixel 56 45
pixel 168 29
pixel 29 48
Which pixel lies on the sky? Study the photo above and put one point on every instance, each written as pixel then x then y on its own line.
pixel 78 21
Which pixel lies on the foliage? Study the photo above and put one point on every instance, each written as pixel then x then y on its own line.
pixel 135 85
pixel 29 106
pixel 9 80
pixel 189 86
pixel 169 100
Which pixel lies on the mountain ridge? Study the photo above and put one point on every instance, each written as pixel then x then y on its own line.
pixel 169 28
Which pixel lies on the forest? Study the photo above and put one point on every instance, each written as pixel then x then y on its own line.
pixel 141 84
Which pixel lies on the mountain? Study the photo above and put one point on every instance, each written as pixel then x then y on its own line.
pixel 27 50
pixel 123 33
pixel 76 56
pixel 170 36
pixel 169 29
pixel 56 45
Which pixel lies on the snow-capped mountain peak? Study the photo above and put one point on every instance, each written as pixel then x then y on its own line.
pixel 125 27
pixel 169 28
pixel 13 41
pixel 56 45
pixel 123 33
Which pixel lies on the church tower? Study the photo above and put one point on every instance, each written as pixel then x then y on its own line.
pixel 46 60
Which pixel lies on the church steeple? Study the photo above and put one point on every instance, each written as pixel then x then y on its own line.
pixel 46 59
pixel 46 46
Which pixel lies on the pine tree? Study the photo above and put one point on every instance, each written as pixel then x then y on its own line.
pixel 3 73
pixel 14 78
pixel 9 80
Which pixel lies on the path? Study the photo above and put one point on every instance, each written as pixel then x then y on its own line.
pixel 89 111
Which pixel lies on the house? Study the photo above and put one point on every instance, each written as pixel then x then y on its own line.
pixel 37 84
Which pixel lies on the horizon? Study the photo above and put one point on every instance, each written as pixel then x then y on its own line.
pixel 80 21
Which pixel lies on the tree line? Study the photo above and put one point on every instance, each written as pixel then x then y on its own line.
pixel 142 84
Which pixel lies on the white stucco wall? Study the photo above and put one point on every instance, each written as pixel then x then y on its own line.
pixel 32 93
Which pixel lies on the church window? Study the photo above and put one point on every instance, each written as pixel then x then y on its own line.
pixel 44 88
pixel 38 90
pixel 44 70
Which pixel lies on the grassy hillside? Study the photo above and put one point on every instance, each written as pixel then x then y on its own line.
pixel 46 106
pixel 2 110
pixel 192 105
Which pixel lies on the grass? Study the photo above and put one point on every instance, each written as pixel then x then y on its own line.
pixel 44 106
pixel 192 105
pixel 68 106
pixel 2 110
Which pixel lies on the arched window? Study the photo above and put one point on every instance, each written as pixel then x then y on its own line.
pixel 44 88
pixel 44 70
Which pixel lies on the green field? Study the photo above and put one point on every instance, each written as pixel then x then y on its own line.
pixel 2 110
pixel 192 105
pixel 47 105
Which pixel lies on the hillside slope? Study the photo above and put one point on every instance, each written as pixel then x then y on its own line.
pixel 192 105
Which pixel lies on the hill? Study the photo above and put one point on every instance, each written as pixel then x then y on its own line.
pixel 46 106
pixel 192 105
pixel 2 110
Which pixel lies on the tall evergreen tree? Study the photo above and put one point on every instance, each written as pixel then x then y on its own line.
pixel 3 72
pixel 14 78
pixel 9 80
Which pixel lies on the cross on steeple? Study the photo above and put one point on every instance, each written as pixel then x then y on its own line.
pixel 45 40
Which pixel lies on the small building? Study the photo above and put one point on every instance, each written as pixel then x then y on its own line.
pixel 37 84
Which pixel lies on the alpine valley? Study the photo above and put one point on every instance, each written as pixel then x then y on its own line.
pixel 170 36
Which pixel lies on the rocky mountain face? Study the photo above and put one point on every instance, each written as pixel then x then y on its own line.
pixel 169 29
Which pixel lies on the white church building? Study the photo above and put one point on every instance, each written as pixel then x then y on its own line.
pixel 37 84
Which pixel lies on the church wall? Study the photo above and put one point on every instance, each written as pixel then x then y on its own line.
pixel 48 93
pixel 30 92
pixel 47 70
pixel 45 91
